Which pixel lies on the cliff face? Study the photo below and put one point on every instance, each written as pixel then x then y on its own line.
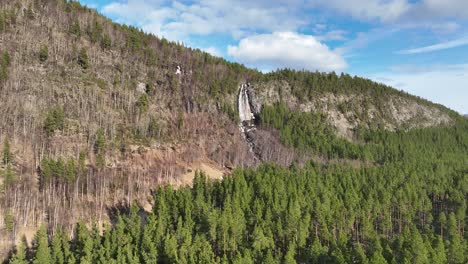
pixel 97 114
pixel 348 111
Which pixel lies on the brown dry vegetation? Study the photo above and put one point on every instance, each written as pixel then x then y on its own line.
pixel 147 143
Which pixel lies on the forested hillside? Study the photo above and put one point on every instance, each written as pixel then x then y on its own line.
pixel 97 118
pixel 411 209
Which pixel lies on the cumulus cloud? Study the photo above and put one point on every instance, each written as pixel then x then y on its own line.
pixel 178 21
pixel 286 49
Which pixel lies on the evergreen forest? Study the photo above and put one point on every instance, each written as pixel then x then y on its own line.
pixel 408 205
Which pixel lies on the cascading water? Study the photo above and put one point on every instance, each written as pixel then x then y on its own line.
pixel 246 116
pixel 245 111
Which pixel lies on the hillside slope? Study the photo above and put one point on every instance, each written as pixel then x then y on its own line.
pixel 97 114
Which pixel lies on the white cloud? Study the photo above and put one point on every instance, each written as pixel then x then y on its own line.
pixel 384 10
pixel 400 11
pixel 286 49
pixel 411 68
pixel 213 51
pixel 450 8
pixel 178 21
pixel 445 27
pixel 320 27
pixel 333 35
pixel 436 47
pixel 363 40
pixel 444 84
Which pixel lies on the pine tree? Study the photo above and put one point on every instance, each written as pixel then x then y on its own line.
pixel 456 250
pixel 149 251
pixel 377 255
pixel 269 259
pixel 70 170
pixel 67 254
pixel 4 63
pixel 443 222
pixel 377 258
pixel 96 244
pixel 243 258
pixel 55 120
pixel 2 21
pixel 84 244
pixel 58 256
pixel 106 247
pixel 389 254
pixel 154 129
pixel 8 176
pixel 5 59
pixel 260 241
pixel 317 251
pixel 75 28
pixel 7 157
pixel 203 251
pixel 20 255
pixel 133 225
pixel 106 41
pixel 95 31
pixel 100 143
pixel 42 251
pixel 359 255
pixel 290 257
pixel 417 248
pixel 170 249
pixel 143 104
pixel 438 256
pixel 9 221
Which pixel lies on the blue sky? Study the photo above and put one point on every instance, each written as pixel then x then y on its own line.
pixel 420 46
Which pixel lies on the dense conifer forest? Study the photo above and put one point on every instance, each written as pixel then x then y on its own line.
pixel 409 207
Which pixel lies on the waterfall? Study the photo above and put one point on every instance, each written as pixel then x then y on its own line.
pixel 245 112
pixel 246 117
